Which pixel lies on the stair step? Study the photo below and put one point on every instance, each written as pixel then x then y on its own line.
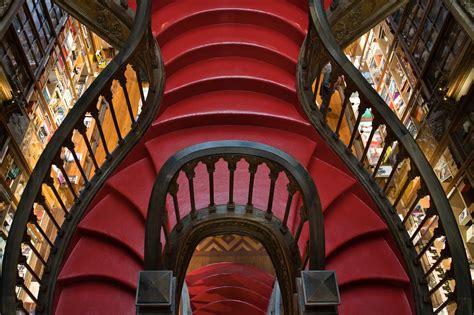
pixel 240 83
pixel 163 147
pixel 230 293
pixel 231 280
pixel 95 297
pixel 168 123
pixel 229 307
pixel 348 220
pixel 136 189
pixel 223 67
pixel 113 210
pixel 235 49
pixel 94 258
pixel 232 106
pixel 374 299
pixel 229 267
pixel 329 181
pixel 370 260
pixel 181 16
pixel 189 44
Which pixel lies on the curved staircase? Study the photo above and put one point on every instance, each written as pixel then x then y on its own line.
pixel 229 288
pixel 230 69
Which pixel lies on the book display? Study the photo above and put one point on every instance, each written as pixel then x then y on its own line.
pixel 61 70
pixel 410 70
pixel 386 70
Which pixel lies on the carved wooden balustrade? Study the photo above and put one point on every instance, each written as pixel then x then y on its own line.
pixel 238 187
pixel 400 179
pixel 105 123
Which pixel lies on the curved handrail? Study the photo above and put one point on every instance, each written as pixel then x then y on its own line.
pixel 321 47
pixel 136 65
pixel 233 151
pixel 225 160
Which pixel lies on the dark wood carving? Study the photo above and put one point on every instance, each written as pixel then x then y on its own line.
pixel 105 18
pixel 279 246
pixel 231 218
pixel 350 19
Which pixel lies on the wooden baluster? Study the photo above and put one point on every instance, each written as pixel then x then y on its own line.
pixel 109 99
pixel 20 282
pixel 50 183
pixel 362 109
pixel 327 99
pixel 27 241
pixel 387 144
pixel 444 254
pixel 317 82
pixel 253 166
pixel 347 95
pixel 419 194
pixel 317 59
pixel 123 83
pixel 429 214
pixel 400 158
pixel 41 200
pixel 24 261
pixel 71 147
pixel 83 131
pixel 426 230
pixel 173 191
pixel 59 164
pixel 211 168
pixel 274 172
pixel 34 220
pixel 189 170
pixel 136 68
pixel 436 233
pixel 375 127
pixel 411 176
pixel 299 229
pixel 402 192
pixel 292 188
pixel 232 166
pixel 448 275
pixel 451 298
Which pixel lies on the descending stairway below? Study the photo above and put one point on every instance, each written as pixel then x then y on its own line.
pixel 229 288
pixel 230 67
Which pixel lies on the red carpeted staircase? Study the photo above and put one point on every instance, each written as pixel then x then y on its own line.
pixel 223 287
pixel 230 67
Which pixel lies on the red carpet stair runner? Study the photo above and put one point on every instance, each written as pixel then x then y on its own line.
pixel 230 67
pixel 224 288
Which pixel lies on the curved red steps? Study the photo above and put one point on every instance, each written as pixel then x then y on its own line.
pixel 230 76
pixel 226 293
pixel 227 267
pixel 229 281
pixel 230 307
